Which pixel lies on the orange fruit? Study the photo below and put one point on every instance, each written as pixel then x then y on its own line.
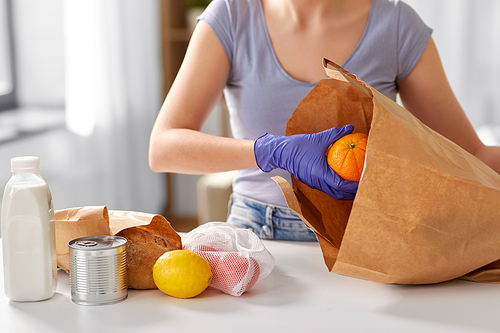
pixel 346 156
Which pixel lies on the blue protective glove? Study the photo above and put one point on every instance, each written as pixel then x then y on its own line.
pixel 304 156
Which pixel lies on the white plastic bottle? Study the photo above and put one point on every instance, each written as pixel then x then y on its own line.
pixel 28 234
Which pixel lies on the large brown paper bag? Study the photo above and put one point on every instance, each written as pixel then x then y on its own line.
pixel 426 210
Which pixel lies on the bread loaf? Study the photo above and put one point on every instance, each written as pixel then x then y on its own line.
pixel 143 249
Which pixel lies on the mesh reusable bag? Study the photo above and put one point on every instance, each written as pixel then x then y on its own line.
pixel 238 257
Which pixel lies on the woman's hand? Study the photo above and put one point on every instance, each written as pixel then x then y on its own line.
pixel 304 156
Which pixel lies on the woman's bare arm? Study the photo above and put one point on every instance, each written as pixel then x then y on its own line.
pixel 176 143
pixel 427 94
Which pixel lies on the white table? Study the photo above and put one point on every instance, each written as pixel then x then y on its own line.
pixel 300 295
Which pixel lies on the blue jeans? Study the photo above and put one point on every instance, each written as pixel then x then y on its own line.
pixel 267 221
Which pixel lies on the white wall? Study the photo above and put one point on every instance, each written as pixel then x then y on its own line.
pixel 38 30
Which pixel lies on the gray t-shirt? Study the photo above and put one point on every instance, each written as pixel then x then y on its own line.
pixel 261 96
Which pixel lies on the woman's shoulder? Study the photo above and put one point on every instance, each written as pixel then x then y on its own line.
pixel 396 15
pixel 391 8
pixel 235 11
pixel 234 5
pixel 233 14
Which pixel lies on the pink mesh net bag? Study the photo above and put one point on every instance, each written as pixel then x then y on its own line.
pixel 238 257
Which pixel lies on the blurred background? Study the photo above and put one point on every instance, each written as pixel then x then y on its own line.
pixel 81 82
pixel 85 81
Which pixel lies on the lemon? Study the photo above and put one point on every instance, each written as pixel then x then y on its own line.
pixel 182 273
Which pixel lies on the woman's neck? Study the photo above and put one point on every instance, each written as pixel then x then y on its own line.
pixel 303 32
pixel 306 12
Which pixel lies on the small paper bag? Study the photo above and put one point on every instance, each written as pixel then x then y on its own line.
pixel 86 221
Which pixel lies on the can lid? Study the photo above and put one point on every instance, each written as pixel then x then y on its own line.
pixel 93 243
pixel 25 163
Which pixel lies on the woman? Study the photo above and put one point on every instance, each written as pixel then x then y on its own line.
pixel 266 57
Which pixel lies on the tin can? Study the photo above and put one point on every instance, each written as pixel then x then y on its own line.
pixel 98 270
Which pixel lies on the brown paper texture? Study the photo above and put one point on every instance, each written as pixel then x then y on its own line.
pixel 426 210
pixel 74 223
pixel 79 222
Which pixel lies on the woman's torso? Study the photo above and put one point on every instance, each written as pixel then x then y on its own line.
pixel 261 95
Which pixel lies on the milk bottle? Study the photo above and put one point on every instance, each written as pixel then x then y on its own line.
pixel 28 234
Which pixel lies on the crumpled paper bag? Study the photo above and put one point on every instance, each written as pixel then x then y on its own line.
pixel 426 211
pixel 86 221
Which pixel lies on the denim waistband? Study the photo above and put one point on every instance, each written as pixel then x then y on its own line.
pixel 267 221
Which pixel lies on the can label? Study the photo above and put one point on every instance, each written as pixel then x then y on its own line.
pixel 98 270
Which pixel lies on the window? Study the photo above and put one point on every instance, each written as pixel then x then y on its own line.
pixel 31 68
pixel 7 83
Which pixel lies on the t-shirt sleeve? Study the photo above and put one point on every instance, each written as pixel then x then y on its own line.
pixel 218 16
pixel 413 37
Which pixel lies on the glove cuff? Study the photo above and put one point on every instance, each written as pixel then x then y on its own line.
pixel 263 149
